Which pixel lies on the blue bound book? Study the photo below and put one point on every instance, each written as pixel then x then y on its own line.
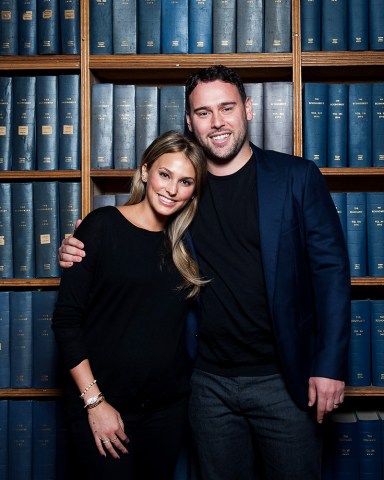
pixel 340 201
pixel 358 30
pixel 9 27
pixel 310 11
pixel 149 24
pixel 224 26
pixel 70 27
pixel 315 105
pixel 357 233
pixel 376 24
pixel 48 27
pixel 124 19
pixel 5 354
pixel 102 125
pixel 47 123
pixel 369 438
pixel 124 129
pixel 345 446
pixel 5 123
pixel 359 356
pixel 147 118
pixel 69 207
pixel 21 338
pixel 174 26
pixel 20 439
pixel 6 248
pixel 101 27
pixel 360 125
pixel 277 26
pixel 378 125
pixel 44 439
pixel 104 200
pixel 27 27
pixel 4 439
pixel 200 26
pixel 334 25
pixel 250 26
pixel 377 342
pixel 256 126
pixel 375 233
pixel 337 151
pixel 172 108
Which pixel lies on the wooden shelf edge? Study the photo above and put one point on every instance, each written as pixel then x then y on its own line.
pixel 30 392
pixel 369 171
pixel 29 282
pixel 368 281
pixel 364 391
pixel 40 62
pixel 341 59
pixel 40 174
pixel 112 173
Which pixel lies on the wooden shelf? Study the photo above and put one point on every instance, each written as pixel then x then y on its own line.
pixel 24 393
pixel 365 391
pixel 41 174
pixel 39 62
pixel 29 282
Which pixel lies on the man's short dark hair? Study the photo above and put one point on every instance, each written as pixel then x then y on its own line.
pixel 210 74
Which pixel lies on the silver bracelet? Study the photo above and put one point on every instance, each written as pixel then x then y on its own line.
pixel 92 400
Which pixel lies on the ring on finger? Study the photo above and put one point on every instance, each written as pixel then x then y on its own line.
pixel 105 441
pixel 114 440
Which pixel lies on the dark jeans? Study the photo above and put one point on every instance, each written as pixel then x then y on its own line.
pixel 244 425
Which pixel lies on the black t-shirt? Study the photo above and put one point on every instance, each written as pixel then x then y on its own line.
pixel 235 333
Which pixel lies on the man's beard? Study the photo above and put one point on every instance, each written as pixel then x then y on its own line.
pixel 223 159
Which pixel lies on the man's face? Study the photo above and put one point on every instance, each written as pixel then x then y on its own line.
pixel 219 120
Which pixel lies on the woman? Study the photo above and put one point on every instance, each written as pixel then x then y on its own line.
pixel 119 320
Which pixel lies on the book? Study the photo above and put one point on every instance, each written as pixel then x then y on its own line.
pixel 45 354
pixel 360 125
pixel 315 107
pixel 101 27
pixel 122 198
pixel 200 26
pixel 375 234
pixel 9 27
pixel 278 116
pixel 174 26
pixel 47 131
pixel 357 233
pixel 48 27
pixel 6 248
pixel 277 26
pixel 256 126
pixel 21 339
pixel 250 26
pixel 334 25
pixel 147 118
pixel 376 24
pixel 23 123
pixel 5 354
pixel 149 26
pixel 310 15
pixel 124 20
pixel 369 444
pixel 5 123
pixel 46 228
pixel 70 26
pixel 124 131
pixel 20 439
pixel 172 108
pixel 44 439
pixel 358 29
pixel 69 122
pixel 337 125
pixel 345 445
pixel 23 244
pixel 103 200
pixel 102 125
pixel 380 413
pixel 27 24
pixel 4 439
pixel 340 201
pixel 69 207
pixel 224 26
pixel 378 125
pixel 377 342
pixel 359 356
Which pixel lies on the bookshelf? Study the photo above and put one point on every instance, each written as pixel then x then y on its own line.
pixel 297 67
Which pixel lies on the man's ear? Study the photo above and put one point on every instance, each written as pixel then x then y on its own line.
pixel 188 120
pixel 248 109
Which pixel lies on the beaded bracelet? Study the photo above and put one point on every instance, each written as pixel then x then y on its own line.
pixel 100 398
pixel 87 388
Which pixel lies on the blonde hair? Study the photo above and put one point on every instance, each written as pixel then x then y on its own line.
pixel 175 142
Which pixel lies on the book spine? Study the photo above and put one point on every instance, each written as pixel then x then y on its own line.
pixel 104 200
pixel 47 131
pixel 69 207
pixel 224 26
pixel 44 439
pixel 200 26
pixel 20 439
pixel 369 444
pixel 4 437
pixel 48 27
pixel 358 30
pixel 5 123
pixel 27 17
pixel 22 230
pixel 340 201
pixel 21 339
pixel 376 24
pixel 378 124
pixel 256 126
pixel 172 108
pixel 5 355
pixel 359 362
pixel 310 12
pixel 23 120
pixel 147 118
pixel 277 26
pixel 377 342
pixel 345 445
pixel 122 198
pixel 6 249
pixel 69 122
pixel 375 233
pixel 149 24
pixel 70 26
pixel 334 25
pixel 102 126
pixel 101 27
pixel 250 26
pixel 337 151
pixel 315 101
pixel 124 18
pixel 360 125
pixel 356 233
pixel 124 150
pixel 9 27
pixel 46 228
pixel 174 26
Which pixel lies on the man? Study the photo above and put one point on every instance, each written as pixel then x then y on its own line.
pixel 274 320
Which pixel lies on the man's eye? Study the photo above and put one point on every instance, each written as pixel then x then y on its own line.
pixel 202 114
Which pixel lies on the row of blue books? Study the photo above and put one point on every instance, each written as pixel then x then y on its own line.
pixel 40 122
pixel 34 217
pixel 362 219
pixel 354 445
pixel 334 25
pixel 127 118
pixel 40 27
pixel 366 350
pixel 189 26
pixel 344 124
